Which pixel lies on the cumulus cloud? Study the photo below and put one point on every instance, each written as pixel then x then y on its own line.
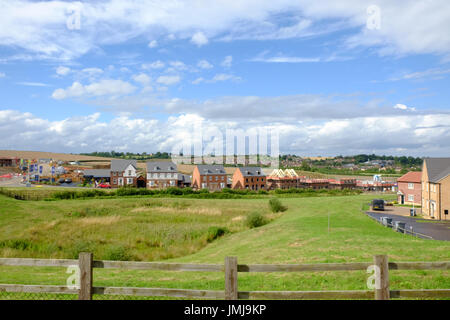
pixel 153 65
pixel 204 64
pixel 199 39
pixel 101 88
pixel 168 80
pixel 413 134
pixel 153 44
pixel 227 62
pixel 142 78
pixel 62 71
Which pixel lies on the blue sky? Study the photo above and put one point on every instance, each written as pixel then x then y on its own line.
pixel 332 77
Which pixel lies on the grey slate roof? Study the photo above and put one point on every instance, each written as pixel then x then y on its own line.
pixel 185 178
pixel 206 169
pixel 97 173
pixel 161 166
pixel 119 165
pixel 251 171
pixel 437 168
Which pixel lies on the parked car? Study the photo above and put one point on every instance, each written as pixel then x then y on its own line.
pixel 68 180
pixel 104 186
pixel 378 204
pixel 62 180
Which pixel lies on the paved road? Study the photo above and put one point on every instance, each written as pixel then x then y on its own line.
pixel 16 182
pixel 438 230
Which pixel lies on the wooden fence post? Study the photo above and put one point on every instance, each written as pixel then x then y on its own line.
pixel 231 278
pixel 85 265
pixel 382 277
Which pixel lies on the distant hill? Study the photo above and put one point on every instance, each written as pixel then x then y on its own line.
pixel 48 155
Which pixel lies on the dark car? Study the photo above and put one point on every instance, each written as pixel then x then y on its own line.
pixel 68 180
pixel 61 180
pixel 378 204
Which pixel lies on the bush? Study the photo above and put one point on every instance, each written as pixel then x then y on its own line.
pixel 255 220
pixel 82 246
pixel 216 232
pixel 117 253
pixel 276 206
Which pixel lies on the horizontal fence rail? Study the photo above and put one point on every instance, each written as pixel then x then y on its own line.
pixel 230 268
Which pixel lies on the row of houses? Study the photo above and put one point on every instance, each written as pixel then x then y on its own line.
pixel 429 188
pixel 163 174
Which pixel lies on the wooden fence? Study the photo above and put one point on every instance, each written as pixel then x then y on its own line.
pixel 230 268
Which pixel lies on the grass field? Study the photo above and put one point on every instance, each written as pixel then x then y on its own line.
pixel 299 235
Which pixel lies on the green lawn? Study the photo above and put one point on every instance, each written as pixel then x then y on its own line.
pixel 299 235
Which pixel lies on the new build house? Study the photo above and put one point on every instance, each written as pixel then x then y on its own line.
pixel 436 188
pixel 410 188
pixel 211 177
pixel 162 174
pixel 123 173
pixel 252 178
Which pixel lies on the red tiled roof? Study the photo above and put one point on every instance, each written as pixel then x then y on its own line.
pixel 412 176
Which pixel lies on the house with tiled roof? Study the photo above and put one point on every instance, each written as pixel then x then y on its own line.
pixel 211 177
pixel 251 178
pixel 436 188
pixel 123 173
pixel 162 174
pixel 410 188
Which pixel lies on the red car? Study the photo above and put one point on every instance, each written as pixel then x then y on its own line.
pixel 104 185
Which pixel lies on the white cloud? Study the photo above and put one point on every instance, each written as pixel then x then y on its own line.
pixel 39 29
pixel 142 78
pixel 204 64
pixel 154 65
pixel 168 80
pixel 430 74
pixel 198 80
pixel 227 62
pixel 153 44
pixel 2 75
pixel 104 87
pixel 62 71
pixel 199 39
pixel 217 78
pixel 403 107
pixel 178 65
pixel 33 84
pixel 410 135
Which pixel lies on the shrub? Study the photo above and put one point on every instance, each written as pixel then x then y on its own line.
pixel 216 232
pixel 117 253
pixel 81 246
pixel 255 220
pixel 276 206
pixel 19 244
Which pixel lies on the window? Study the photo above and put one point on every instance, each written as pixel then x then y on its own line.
pixel 410 185
pixel 210 178
pixel 129 172
pixel 410 197
pixel 130 181
pixel 445 211
pixel 217 178
pixel 114 181
pixel 204 185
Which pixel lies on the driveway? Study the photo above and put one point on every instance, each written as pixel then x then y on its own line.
pixel 438 230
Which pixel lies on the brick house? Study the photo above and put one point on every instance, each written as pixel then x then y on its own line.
pixel 252 178
pixel 162 174
pixel 410 188
pixel 436 188
pixel 283 179
pixel 123 173
pixel 211 177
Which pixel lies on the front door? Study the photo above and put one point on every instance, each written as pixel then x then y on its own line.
pixel 402 199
